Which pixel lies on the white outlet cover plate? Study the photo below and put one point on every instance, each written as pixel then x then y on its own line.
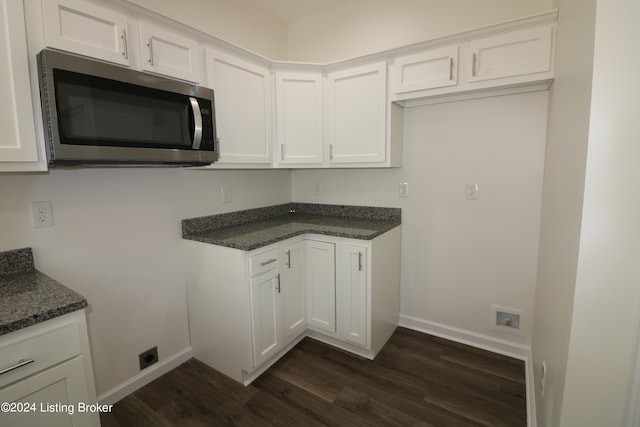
pixel 41 214
pixel 403 190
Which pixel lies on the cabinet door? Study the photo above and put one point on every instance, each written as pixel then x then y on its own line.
pixel 512 54
pixel 425 70
pixel 321 286
pixel 356 114
pixel 292 291
pixel 168 53
pixel 299 118
pixel 243 113
pixel 353 288
pixel 264 316
pixel 18 136
pixel 86 28
pixel 64 385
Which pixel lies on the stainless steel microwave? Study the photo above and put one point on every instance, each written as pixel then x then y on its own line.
pixel 100 114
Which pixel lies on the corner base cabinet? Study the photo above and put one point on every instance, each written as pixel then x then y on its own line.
pixel 248 308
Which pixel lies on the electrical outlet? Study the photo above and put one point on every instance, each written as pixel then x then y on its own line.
pixel 148 358
pixel 41 214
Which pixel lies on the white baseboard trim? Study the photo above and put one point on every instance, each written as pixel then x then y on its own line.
pixel 145 377
pixel 484 342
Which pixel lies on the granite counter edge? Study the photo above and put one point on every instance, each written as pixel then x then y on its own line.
pixel 16 325
pixel 281 237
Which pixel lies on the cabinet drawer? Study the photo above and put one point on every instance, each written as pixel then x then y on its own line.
pixel 36 348
pixel 263 262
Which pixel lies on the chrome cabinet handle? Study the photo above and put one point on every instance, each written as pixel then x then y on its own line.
pixel 450 68
pixel 281 151
pixel 330 151
pixel 289 259
pixel 150 46
pixel 197 123
pixel 473 66
pixel 20 364
pixel 278 278
pixel 125 51
pixel 271 261
pixel 359 261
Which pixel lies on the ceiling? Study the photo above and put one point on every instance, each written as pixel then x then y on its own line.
pixel 290 10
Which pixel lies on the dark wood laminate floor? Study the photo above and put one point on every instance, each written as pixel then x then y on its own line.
pixel 416 380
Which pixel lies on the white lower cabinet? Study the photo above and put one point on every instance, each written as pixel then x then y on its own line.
pixel 293 290
pixel 247 309
pixel 321 286
pixel 51 383
pixel 355 289
pixel 264 316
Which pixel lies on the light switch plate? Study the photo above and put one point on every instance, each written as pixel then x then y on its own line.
pixel 226 195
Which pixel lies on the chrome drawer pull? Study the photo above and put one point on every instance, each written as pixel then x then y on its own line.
pixel 20 364
pixel 262 264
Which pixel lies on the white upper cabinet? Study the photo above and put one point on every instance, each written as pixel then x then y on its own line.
pixel 512 59
pixel 299 118
pixel 86 28
pixel 168 53
pixel 91 29
pixel 511 54
pixel 425 70
pixel 243 108
pixel 18 136
pixel 357 114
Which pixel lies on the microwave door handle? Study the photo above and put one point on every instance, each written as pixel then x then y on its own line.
pixel 197 123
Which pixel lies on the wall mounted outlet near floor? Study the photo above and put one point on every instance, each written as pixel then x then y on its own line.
pixel 148 358
pixel 507 319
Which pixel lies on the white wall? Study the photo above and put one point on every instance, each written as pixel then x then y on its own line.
pixel 116 240
pixel 358 27
pixel 235 21
pixel 459 256
pixel 565 164
pixel 117 232
pixel 606 311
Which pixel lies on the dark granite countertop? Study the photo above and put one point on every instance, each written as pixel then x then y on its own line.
pixel 255 228
pixel 28 296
